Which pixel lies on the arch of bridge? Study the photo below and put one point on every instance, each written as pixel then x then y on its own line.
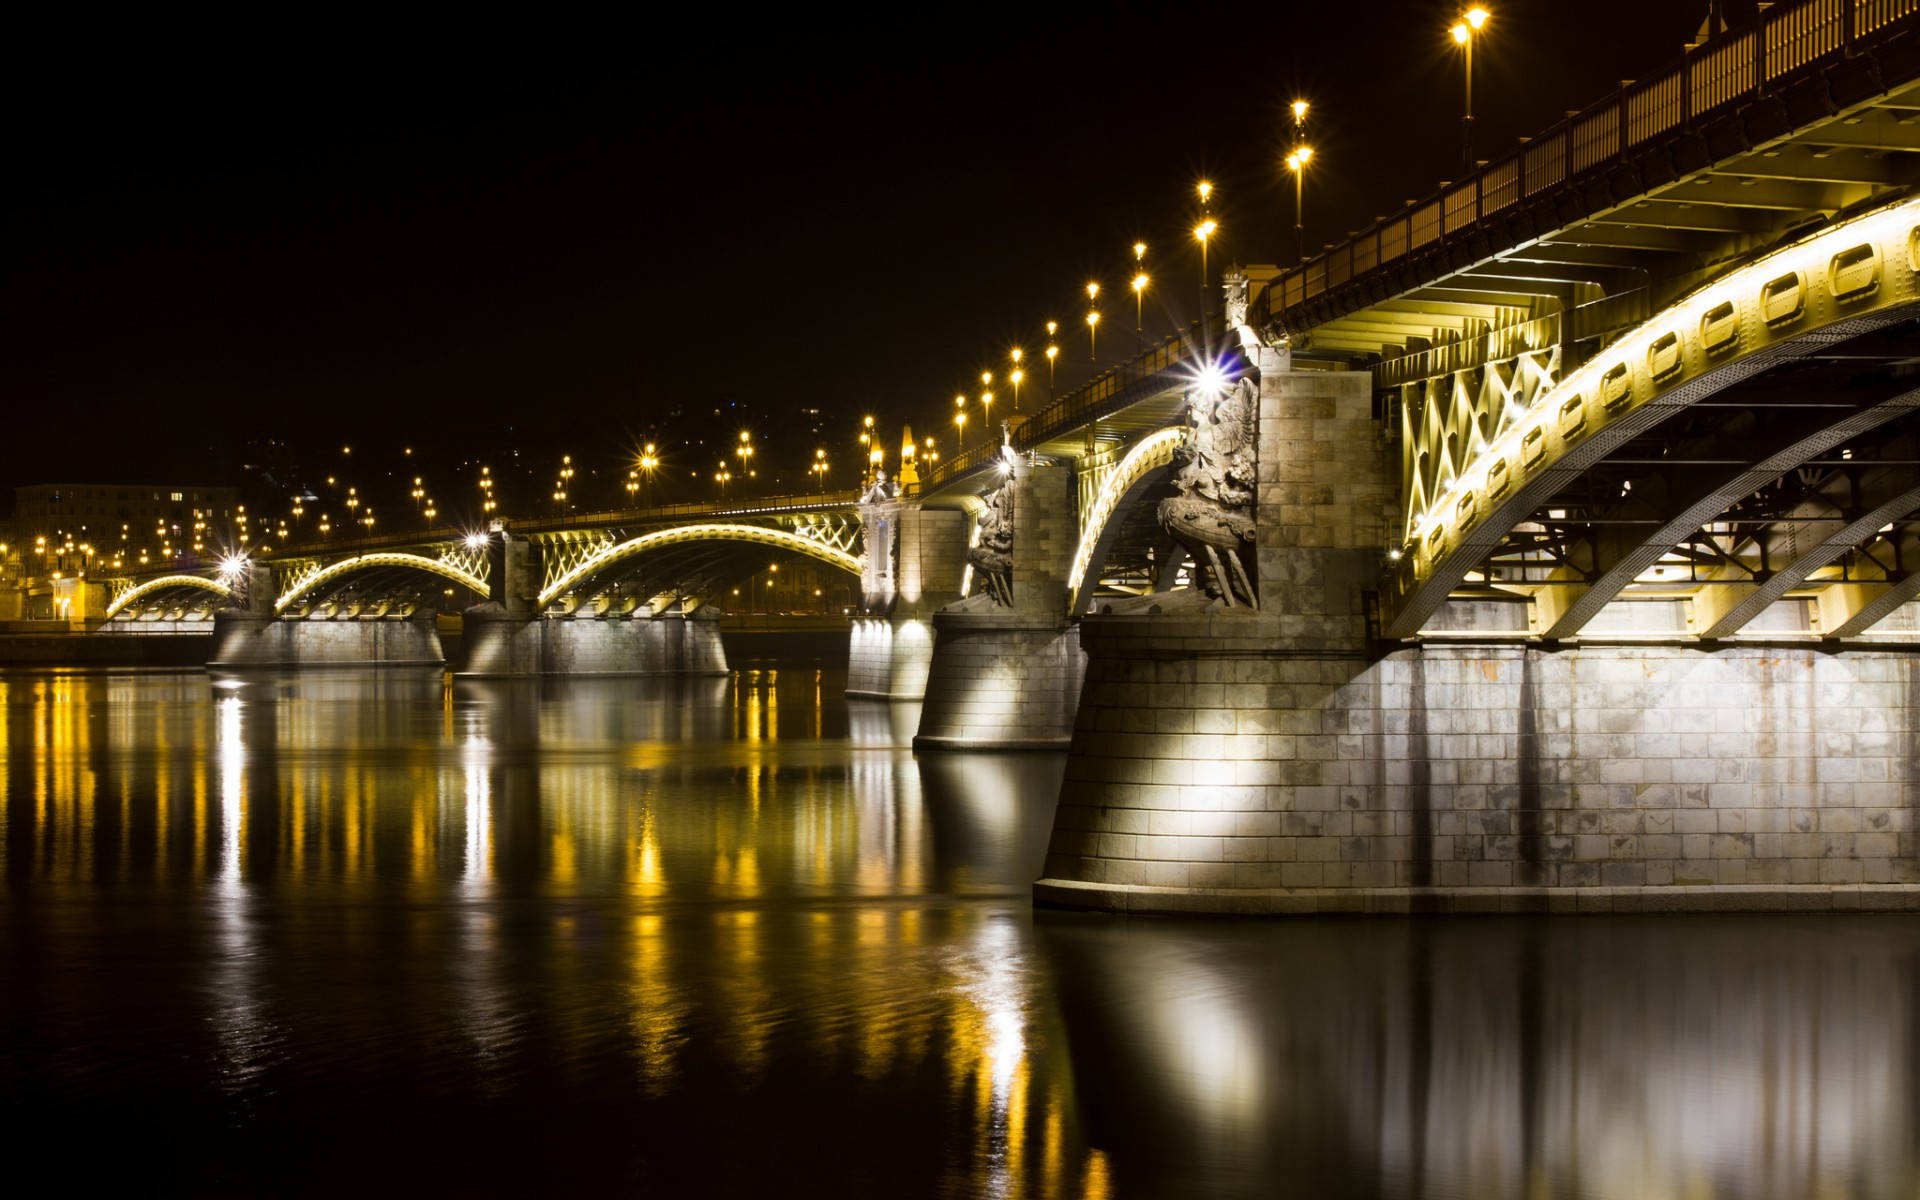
pixel 779 539
pixel 365 562
pixel 1472 475
pixel 166 583
pixel 1152 453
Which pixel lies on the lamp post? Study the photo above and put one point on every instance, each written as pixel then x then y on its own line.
pixel 960 425
pixel 649 463
pixel 1203 231
pixel 1297 163
pixel 1464 31
pixel 1139 281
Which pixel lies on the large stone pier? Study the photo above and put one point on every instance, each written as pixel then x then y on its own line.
pixel 1240 761
pixel 915 557
pixel 1006 666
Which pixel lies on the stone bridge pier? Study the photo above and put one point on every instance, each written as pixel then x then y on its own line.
pixel 1006 667
pixel 915 559
pixel 509 634
pixel 1232 760
pixel 252 633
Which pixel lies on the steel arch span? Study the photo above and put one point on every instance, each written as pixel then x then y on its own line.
pixel 779 539
pixel 163 584
pixel 1151 453
pixel 305 585
pixel 1471 477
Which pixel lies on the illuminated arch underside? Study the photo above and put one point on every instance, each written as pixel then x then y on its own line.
pixel 1149 454
pixel 1842 282
pixel 166 583
pixel 363 562
pixel 779 539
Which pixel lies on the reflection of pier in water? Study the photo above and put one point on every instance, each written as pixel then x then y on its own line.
pixel 1501 1058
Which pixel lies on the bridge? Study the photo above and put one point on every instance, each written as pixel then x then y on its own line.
pixel 1548 543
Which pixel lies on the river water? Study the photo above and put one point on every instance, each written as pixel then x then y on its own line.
pixel 384 932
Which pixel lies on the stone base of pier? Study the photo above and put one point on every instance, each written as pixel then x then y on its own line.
pixel 499 643
pixel 1213 771
pixel 1000 680
pixel 888 658
pixel 247 639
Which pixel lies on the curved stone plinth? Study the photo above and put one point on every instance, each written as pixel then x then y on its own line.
pixel 888 658
pixel 501 643
pixel 1000 680
pixel 246 639
pixel 1214 770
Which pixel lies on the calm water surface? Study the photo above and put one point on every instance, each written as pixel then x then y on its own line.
pixel 389 932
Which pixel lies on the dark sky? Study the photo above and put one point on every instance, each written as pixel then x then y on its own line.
pixel 471 236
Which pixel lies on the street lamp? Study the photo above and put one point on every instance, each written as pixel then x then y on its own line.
pixel 960 426
pixel 1139 292
pixel 1014 378
pixel 986 413
pixel 1464 31
pixel 1297 163
pixel 1093 332
pixel 649 463
pixel 1053 352
pixel 1204 231
pixel 1206 193
pixel 819 468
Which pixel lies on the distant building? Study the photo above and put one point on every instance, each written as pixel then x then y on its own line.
pixel 72 525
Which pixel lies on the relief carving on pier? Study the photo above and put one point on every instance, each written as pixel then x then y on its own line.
pixel 1215 474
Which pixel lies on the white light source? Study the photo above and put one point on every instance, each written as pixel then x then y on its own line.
pixel 1211 380
pixel 476 540
pixel 232 565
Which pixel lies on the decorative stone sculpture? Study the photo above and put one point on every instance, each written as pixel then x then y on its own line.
pixel 881 489
pixel 992 556
pixel 1215 474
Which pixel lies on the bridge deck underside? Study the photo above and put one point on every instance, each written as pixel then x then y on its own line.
pixel 1787 505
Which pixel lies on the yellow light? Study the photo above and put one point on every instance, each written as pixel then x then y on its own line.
pixel 1093 318
pixel 1477 17
pixel 1052 328
pixel 1204 230
pixel 959 401
pixel 1205 189
pixel 1017 376
pixel 1461 33
pixel 1140 282
pixel 986 377
pixel 1139 251
pixel 1299 110
pixel 1053 352
pixel 1093 291
pixel 1017 352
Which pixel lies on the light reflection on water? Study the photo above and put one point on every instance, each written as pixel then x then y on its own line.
pixel 709 937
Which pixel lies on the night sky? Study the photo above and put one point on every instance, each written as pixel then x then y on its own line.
pixel 568 237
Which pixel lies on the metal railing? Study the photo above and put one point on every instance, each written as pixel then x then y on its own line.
pixel 1112 389
pixel 754 507
pixel 1790 38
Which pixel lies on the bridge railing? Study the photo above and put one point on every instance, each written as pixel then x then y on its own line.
pixel 1106 392
pixel 1791 40
pixel 756 507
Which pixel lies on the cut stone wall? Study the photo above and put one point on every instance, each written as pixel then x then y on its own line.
pixel 507 644
pixel 500 643
pixel 910 572
pixel 245 639
pixel 1009 678
pixel 1209 773
pixel 999 683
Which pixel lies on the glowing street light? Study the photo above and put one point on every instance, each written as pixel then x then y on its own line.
pixel 1053 353
pixel 959 431
pixel 1206 192
pixel 1465 31
pixel 986 412
pixel 1139 292
pixel 1204 232
pixel 1093 335
pixel 1297 163
pixel 1014 378
pixel 818 468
